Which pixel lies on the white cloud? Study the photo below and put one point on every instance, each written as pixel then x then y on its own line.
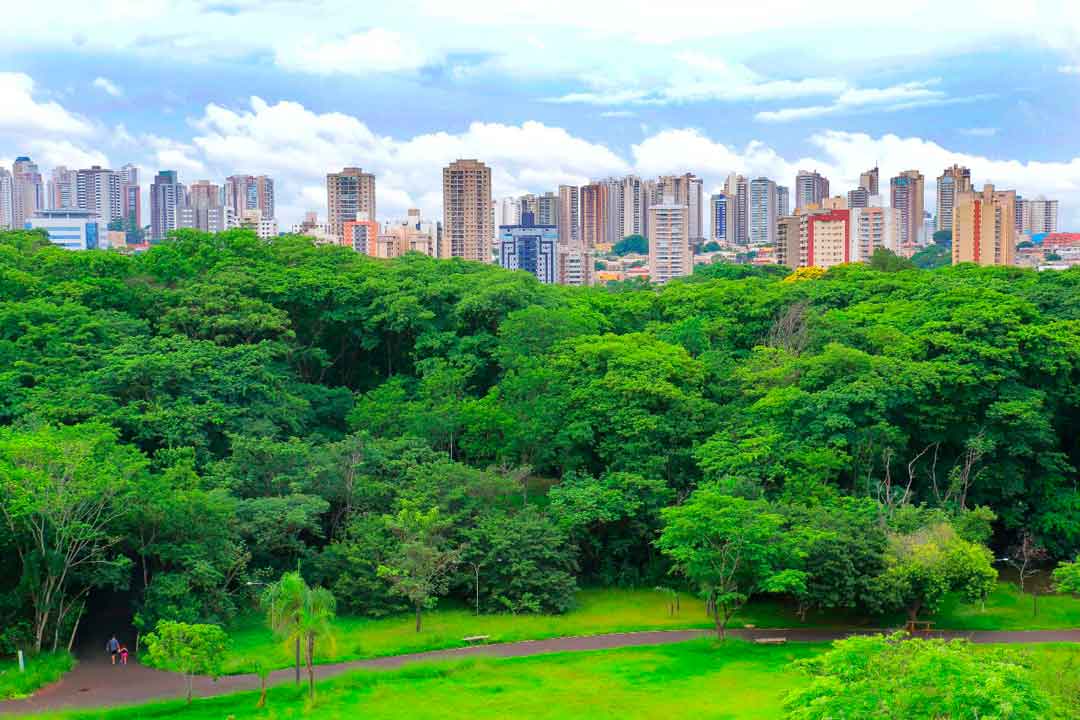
pixel 298 147
pixel 1069 69
pixel 618 114
pixel 108 86
pixel 21 112
pixel 697 77
pixel 375 51
pixel 888 99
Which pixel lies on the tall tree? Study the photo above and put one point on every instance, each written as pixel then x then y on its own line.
pixel 190 649
pixel 730 547
pixel 419 567
pixel 61 493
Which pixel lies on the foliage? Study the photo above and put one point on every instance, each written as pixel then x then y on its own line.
pixel 890 677
pixel 631 244
pixel 730 547
pixel 1067 577
pixel 41 670
pixel 524 564
pixel 419 566
pixel 190 649
pixel 937 254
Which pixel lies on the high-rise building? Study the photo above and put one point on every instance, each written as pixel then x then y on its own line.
pixel 362 235
pixel 634 205
pixel 858 198
pixel 869 181
pixel 131 196
pixel 670 252
pixel 738 189
pixel 688 190
pixel 594 211
pixel 61 188
pixel 507 212
pixel 27 191
pixel 1037 216
pixel 467 215
pixel 69 228
pixel 167 199
pixel 783 200
pixel 984 227
pixel 576 265
pixel 828 238
pixel 718 218
pixel 569 216
pixel 98 190
pixel 349 192
pixel 547 209
pixel 906 194
pixel 788 229
pixel 763 211
pixel 955 179
pixel 204 209
pixel 530 247
pixel 250 192
pixel 873 228
pixel 6 214
pixel 811 187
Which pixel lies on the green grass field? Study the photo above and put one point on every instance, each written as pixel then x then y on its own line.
pixel 616 610
pixel 40 670
pixel 698 679
pixel 737 681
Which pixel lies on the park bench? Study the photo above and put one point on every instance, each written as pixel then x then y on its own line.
pixel 474 639
pixel 771 640
pixel 919 626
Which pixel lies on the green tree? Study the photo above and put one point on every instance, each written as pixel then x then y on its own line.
pixel 285 602
pixel 420 565
pixel 62 494
pixel 897 679
pixel 730 547
pixel 631 244
pixel 315 623
pixel 188 649
pixel 921 567
pixel 1066 577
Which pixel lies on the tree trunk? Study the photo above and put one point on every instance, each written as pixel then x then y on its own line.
pixel 75 629
pixel 297 659
pixel 311 665
pixel 417 617
pixel 262 692
pixel 721 629
pixel 188 677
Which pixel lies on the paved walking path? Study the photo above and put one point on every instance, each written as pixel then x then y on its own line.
pixel 95 683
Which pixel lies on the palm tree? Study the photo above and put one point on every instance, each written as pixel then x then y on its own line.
pixel 285 600
pixel 319 608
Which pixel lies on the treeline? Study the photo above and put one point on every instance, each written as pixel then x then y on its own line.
pixel 219 409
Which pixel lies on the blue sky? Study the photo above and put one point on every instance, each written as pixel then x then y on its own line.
pixel 546 93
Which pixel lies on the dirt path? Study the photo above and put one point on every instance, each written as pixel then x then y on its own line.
pixel 95 683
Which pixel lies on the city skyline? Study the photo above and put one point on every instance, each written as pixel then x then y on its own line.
pixel 574 95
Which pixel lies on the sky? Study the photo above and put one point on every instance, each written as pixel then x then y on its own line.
pixel 562 91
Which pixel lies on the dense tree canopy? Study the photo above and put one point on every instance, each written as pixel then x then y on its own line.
pixel 250 405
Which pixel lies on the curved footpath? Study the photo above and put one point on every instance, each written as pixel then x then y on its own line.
pixel 95 683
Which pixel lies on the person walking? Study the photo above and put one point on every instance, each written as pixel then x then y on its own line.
pixel 113 648
pixel 123 654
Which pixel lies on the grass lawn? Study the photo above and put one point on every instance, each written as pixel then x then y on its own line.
pixel 1007 609
pixel 736 681
pixel 40 670
pixel 617 610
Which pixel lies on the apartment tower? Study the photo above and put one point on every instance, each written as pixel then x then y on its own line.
pixel 349 192
pixel 811 187
pixel 670 253
pixel 955 179
pixel 984 227
pixel 467 215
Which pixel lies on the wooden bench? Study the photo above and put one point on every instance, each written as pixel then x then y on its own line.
pixel 771 640
pixel 919 626
pixel 474 639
